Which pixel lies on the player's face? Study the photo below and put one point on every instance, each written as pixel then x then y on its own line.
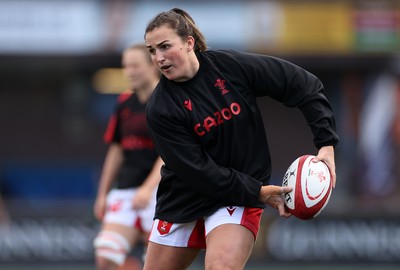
pixel 171 54
pixel 137 68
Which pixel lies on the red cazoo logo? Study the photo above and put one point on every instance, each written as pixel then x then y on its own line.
pixel 217 119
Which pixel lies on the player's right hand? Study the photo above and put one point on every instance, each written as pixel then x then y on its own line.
pixel 99 208
pixel 327 155
pixel 274 197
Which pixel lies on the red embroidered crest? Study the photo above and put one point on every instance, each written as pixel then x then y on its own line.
pixel 116 206
pixel 164 227
pixel 221 85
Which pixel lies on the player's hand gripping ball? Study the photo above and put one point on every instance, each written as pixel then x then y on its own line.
pixel 312 187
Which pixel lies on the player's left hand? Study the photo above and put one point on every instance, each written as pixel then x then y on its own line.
pixel 142 198
pixel 327 155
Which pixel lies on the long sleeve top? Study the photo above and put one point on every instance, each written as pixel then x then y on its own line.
pixel 128 128
pixel 210 133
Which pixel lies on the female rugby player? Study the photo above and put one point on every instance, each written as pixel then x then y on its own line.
pixel 131 163
pixel 206 126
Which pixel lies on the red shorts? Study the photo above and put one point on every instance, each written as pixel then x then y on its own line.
pixel 193 234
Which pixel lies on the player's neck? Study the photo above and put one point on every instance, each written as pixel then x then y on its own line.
pixel 143 94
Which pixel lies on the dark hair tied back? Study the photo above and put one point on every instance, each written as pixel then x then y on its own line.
pixel 182 23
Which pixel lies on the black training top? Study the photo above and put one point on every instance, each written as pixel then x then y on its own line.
pixel 211 136
pixel 128 127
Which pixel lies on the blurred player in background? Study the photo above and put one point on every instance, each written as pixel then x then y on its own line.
pixel 206 126
pixel 131 164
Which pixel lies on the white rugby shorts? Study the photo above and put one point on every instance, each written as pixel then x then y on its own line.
pixel 193 234
pixel 120 211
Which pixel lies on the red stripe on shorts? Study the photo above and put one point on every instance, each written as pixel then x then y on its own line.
pixel 198 237
pixel 251 219
pixel 138 225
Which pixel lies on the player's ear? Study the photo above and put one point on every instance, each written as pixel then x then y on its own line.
pixel 190 42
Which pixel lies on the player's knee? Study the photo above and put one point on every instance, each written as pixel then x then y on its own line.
pixel 103 263
pixel 220 264
pixel 222 260
pixel 111 249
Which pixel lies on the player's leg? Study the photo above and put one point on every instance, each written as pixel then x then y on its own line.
pixel 231 233
pixel 113 244
pixel 161 257
pixel 174 246
pixel 118 233
pixel 228 247
pixel 146 223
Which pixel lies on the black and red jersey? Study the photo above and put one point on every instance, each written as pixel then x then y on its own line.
pixel 210 133
pixel 128 127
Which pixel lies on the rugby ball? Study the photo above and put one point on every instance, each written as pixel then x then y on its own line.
pixel 312 187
